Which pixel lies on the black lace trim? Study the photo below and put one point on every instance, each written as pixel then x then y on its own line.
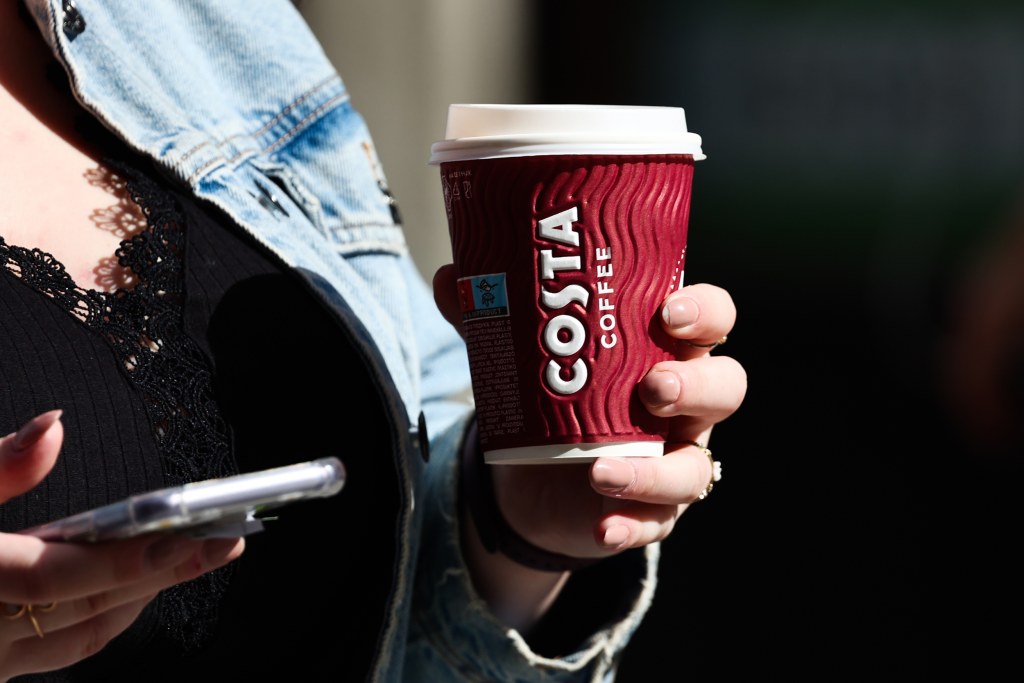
pixel 145 327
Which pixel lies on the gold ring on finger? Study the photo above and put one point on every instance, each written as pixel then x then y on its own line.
pixel 12 612
pixel 716 469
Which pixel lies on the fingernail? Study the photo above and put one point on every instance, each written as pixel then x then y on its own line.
pixel 168 551
pixel 34 429
pixel 660 388
pixel 615 536
pixel 680 312
pixel 612 475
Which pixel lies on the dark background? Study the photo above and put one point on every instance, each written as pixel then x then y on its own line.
pixel 865 164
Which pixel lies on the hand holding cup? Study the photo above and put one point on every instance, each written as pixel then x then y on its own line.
pixel 605 506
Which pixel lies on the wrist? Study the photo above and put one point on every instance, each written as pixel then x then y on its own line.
pixel 516 594
pixel 479 503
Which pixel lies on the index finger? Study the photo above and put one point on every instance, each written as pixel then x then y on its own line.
pixel 27 455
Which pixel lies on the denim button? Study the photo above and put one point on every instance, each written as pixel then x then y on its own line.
pixel 420 439
pixel 269 201
pixel 74 23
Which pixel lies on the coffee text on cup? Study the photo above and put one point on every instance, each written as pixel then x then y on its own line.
pixel 564 334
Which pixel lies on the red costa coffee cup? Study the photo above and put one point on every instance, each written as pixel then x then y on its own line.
pixel 568 226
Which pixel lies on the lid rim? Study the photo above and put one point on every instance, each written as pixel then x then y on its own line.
pixel 478 153
pixel 508 130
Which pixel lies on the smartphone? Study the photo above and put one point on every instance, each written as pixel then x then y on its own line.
pixel 224 507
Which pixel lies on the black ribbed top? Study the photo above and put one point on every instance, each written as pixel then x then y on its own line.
pixel 217 361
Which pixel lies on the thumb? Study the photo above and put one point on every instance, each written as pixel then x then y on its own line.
pixel 446 295
pixel 28 455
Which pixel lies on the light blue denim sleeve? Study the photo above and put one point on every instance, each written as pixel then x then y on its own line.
pixel 445 391
pixel 453 634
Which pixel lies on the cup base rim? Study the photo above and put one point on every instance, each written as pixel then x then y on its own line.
pixel 573 453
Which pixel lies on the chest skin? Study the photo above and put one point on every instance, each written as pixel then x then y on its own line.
pixel 55 193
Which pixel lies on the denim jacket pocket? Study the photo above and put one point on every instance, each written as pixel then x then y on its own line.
pixel 331 170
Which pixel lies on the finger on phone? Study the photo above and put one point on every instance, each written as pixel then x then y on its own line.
pixel 28 454
pixel 63 646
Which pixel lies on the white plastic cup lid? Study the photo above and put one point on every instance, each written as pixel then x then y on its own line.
pixel 488 131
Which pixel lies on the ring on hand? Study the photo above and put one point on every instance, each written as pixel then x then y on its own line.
pixel 12 612
pixel 716 469
pixel 706 346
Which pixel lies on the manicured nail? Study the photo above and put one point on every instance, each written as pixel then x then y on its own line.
pixel 660 388
pixel 34 429
pixel 615 536
pixel 612 475
pixel 680 312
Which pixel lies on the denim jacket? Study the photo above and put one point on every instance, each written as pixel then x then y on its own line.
pixel 235 101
